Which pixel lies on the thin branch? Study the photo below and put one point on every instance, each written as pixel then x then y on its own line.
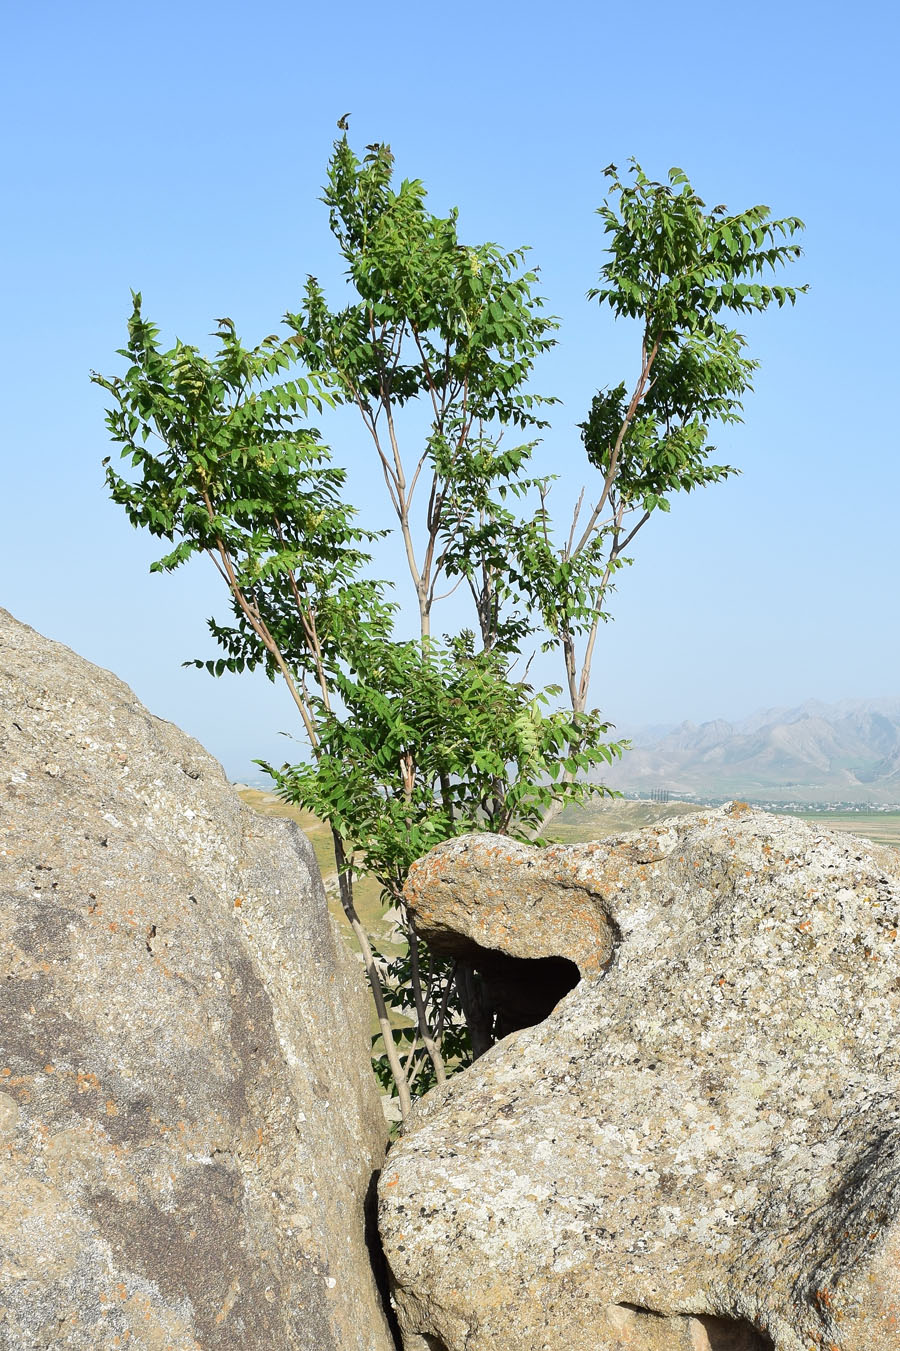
pixel 439 409
pixel 411 1055
pixel 625 542
pixel 640 390
pixel 445 1003
pixel 544 491
pixel 369 422
pixel 578 705
pixel 575 515
pixel 432 598
pixel 307 619
pixel 415 980
pixel 261 629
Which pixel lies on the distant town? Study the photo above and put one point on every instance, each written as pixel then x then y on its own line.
pixel 804 806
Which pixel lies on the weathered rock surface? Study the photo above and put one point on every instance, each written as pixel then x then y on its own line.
pixel 523 937
pixel 188 1124
pixel 481 892
pixel 700 1147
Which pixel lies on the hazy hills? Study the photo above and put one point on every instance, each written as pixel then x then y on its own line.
pixel 845 752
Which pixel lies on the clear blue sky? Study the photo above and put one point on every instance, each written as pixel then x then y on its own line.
pixel 180 148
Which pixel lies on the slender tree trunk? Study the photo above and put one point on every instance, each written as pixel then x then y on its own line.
pixel 416 981
pixel 479 1016
pixel 346 892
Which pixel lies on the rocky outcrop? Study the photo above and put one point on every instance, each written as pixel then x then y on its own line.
pixel 188 1124
pixel 482 893
pixel 700 1146
pixel 523 933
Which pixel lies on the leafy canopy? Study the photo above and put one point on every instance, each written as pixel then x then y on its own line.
pixel 412 740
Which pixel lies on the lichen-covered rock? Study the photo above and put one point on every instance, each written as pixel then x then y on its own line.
pixel 188 1125
pixel 700 1147
pixel 480 892
pixel 523 930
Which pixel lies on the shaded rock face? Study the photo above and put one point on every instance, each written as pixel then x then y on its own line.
pixel 700 1147
pixel 188 1124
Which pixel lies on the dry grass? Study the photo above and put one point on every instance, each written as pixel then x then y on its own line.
pixel 879 827
pixel 612 816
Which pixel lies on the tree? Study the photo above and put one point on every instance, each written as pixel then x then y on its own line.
pixel 412 739
pixel 675 270
pixel 410 743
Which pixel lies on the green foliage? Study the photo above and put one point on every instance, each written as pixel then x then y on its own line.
pixel 433 742
pixel 460 325
pixel 224 469
pixel 438 977
pixel 413 741
pixel 675 269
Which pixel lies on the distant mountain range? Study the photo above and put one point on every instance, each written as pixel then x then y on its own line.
pixel 844 752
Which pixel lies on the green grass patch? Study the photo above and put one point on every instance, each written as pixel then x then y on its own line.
pixel 879 827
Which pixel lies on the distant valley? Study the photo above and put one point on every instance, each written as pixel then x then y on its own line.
pixel 844 753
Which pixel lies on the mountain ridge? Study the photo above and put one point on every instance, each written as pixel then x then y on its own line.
pixel 848 751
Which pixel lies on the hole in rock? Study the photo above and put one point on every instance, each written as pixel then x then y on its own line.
pixel 502 994
pixel 709 1333
pixel 732 1334
pixel 378 1259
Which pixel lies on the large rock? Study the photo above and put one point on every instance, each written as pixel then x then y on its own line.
pixel 522 935
pixel 188 1124
pixel 483 893
pixel 700 1147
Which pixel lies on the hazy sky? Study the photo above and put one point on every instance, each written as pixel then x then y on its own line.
pixel 179 149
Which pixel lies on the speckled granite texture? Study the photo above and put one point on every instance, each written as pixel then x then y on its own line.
pixel 188 1124
pixel 700 1147
pixel 478 892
